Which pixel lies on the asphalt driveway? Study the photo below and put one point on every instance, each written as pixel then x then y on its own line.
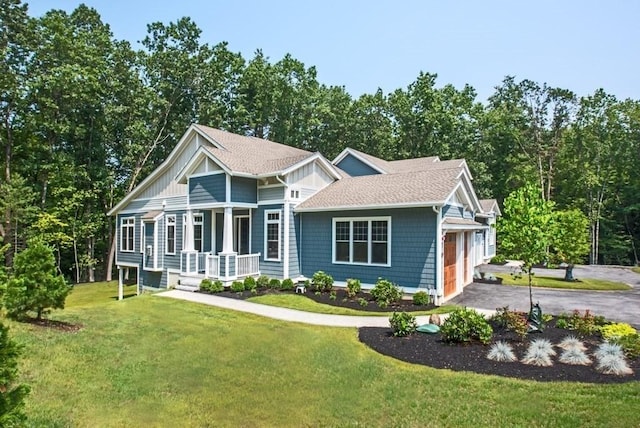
pixel 623 306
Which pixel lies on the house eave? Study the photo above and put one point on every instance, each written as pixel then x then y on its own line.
pixel 372 207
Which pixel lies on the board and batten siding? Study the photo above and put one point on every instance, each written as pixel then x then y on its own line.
pixel 145 205
pixel 355 167
pixel 309 176
pixel 207 189
pixel 413 247
pixel 244 190
pixel 271 193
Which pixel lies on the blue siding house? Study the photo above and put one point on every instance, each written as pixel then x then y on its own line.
pixel 226 206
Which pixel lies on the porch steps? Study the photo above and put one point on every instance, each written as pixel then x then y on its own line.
pixel 189 283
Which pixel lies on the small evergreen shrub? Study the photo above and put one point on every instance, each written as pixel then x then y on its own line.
pixel 363 302
pixel 262 281
pixel 211 286
pixel 249 283
pixel 332 295
pixel 498 259
pixel 206 284
pixel 501 351
pixel 616 330
pixel 465 325
pixel 421 298
pixel 402 324
pixel 237 286
pixel 322 282
pixel 353 287
pixel 274 283
pixel 386 293
pixel 630 345
pixel 287 284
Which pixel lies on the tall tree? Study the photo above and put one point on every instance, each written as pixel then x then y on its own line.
pixel 570 238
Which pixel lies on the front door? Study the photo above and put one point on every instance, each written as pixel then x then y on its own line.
pixel 450 251
pixel 241 235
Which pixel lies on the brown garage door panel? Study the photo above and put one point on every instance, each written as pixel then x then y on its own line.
pixel 449 264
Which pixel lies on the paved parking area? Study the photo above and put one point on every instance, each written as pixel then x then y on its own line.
pixel 623 306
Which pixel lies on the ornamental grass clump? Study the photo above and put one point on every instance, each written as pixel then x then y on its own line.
pixel 572 342
pixel 539 353
pixel 502 352
pixel 575 357
pixel 608 348
pixel 614 365
pixel 466 325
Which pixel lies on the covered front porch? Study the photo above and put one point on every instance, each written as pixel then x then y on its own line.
pixel 217 244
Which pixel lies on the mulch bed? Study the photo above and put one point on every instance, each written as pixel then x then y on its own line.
pixel 430 350
pixel 54 324
pixel 341 300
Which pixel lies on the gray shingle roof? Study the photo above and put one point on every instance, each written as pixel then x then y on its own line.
pixel 487 205
pixel 252 155
pixel 409 188
pixel 398 166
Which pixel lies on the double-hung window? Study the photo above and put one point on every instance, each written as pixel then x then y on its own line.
pixel 362 240
pixel 272 235
pixel 127 234
pixel 198 222
pixel 171 234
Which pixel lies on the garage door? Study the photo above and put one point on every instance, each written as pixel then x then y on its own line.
pixel 449 264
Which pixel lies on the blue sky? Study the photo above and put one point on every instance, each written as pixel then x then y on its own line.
pixel 366 45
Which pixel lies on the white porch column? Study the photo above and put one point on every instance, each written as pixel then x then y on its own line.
pixel 227 234
pixel 188 232
pixel 120 283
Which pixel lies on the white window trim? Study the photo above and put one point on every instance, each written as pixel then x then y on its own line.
pixel 201 224
pixel 142 237
pixel 126 223
pixel 266 244
pixel 175 234
pixel 369 241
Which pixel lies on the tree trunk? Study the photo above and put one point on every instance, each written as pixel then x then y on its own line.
pixel 90 256
pixel 568 273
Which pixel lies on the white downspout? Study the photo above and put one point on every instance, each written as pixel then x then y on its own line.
pixel 439 260
pixel 285 237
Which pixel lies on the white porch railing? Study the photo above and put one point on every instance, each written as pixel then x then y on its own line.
pixel 248 264
pixel 212 266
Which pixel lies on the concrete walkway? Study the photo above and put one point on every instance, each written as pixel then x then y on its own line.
pixel 285 314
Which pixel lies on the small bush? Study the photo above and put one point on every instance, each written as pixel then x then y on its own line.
pixel 616 330
pixel 614 364
pixel 353 287
pixel 322 282
pixel 386 293
pixel 274 283
pixel 421 298
pixel 501 351
pixel 572 342
pixel 237 286
pixel 539 353
pixel 465 325
pixel 332 295
pixel 249 283
pixel 498 259
pixel 512 321
pixel 575 357
pixel 211 286
pixel 262 281
pixel 630 345
pixel 402 324
pixel 608 348
pixel 287 284
pixel 363 302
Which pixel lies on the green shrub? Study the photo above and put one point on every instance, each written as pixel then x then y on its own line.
pixel 363 302
pixel 630 344
pixel 386 293
pixel 332 295
pixel 498 259
pixel 353 287
pixel 237 286
pixel 617 330
pixel 421 298
pixel 249 283
pixel 402 324
pixel 287 284
pixel 274 283
pixel 512 321
pixel 211 286
pixel 322 282
pixel 262 281
pixel 465 325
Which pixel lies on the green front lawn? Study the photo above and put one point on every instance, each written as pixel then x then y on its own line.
pixel 636 269
pixel 155 361
pixel 302 303
pixel 551 282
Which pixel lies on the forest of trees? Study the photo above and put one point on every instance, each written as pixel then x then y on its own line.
pixel 84 117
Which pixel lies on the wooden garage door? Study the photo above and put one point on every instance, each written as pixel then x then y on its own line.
pixel 449 263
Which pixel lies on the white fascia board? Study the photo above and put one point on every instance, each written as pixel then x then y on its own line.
pixel 316 156
pixel 199 155
pixel 151 177
pixel 373 207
